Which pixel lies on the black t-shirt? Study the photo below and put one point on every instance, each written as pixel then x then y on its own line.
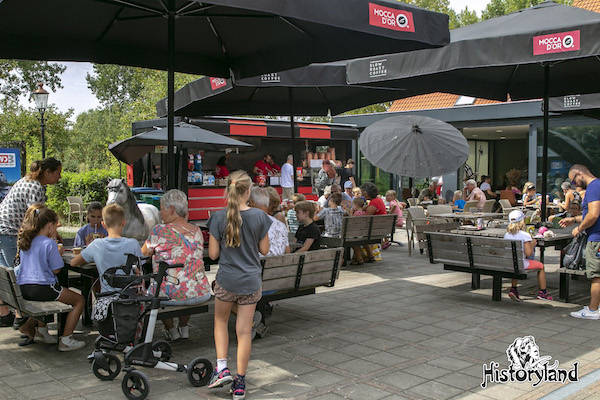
pixel 345 174
pixel 310 231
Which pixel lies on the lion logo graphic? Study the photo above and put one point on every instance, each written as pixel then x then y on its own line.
pixel 524 354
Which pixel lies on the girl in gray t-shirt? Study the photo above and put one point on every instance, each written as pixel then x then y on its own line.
pixel 237 235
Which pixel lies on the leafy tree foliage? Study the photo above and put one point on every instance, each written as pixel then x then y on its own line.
pixel 496 8
pixel 20 77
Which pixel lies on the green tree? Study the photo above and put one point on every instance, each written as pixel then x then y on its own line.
pixel 497 8
pixel 20 78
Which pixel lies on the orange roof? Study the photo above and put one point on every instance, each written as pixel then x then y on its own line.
pixel 432 101
pixel 591 5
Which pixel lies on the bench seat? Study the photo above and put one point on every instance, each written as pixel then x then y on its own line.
pixel 478 256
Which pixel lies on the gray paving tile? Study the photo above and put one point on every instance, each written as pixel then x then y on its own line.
pixel 41 390
pixel 359 367
pixel 20 380
pixel 364 392
pixel 321 378
pixel 288 388
pixel 450 363
pixel 401 380
pixel 435 390
pixel 426 371
pixel 330 357
pixel 386 359
pixel 461 381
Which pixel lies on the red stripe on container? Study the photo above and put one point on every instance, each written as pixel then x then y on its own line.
pixel 247 128
pixel 310 131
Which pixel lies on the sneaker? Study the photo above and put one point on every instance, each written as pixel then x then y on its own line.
pixel 220 379
pixel 385 245
pixel 544 295
pixel 184 332
pixel 586 313
pixel 7 320
pixel 238 388
pixel 514 294
pixel 173 334
pixel 42 335
pixel 68 343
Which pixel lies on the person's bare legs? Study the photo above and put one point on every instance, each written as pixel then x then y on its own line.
pixel 243 329
pixel 594 294
pixel 541 275
pixel 4 310
pixel 222 312
pixel 28 328
pixel 76 300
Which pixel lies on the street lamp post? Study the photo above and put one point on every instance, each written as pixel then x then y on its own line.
pixel 40 96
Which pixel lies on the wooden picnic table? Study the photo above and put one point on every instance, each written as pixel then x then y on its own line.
pixel 562 237
pixel 88 273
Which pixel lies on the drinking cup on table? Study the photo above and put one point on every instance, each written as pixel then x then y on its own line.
pixel 60 247
pixel 76 250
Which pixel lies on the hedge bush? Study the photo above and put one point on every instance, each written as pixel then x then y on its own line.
pixel 90 185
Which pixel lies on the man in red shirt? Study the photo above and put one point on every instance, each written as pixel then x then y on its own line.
pixel 266 166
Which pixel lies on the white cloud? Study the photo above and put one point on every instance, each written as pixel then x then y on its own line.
pixel 75 93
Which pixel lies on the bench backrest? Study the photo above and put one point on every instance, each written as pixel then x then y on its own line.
pixel 368 227
pixel 504 203
pixel 475 252
pixel 412 202
pixel 303 270
pixel 488 206
pixel 416 213
pixel 471 204
pixel 439 209
pixel 8 287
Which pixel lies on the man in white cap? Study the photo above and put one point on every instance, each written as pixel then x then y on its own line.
pixel 589 222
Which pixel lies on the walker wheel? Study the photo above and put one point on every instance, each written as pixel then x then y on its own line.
pixel 135 385
pixel 199 371
pixel 108 368
pixel 164 348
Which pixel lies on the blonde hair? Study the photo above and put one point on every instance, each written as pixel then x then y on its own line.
pixel 457 195
pixel 359 202
pixel 357 190
pixel 298 197
pixel 525 186
pixel 515 227
pixel 36 218
pixel 274 200
pixel 238 184
pixel 391 193
pixel 113 215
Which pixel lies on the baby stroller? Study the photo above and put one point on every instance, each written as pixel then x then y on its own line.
pixel 118 334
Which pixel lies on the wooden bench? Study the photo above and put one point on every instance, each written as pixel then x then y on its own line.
pixel 283 277
pixel 363 230
pixel 499 258
pixel 417 224
pixel 10 293
pixel 564 280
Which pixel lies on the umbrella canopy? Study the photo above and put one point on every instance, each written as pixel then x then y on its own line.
pixel 215 36
pixel 414 146
pixel 500 57
pixel 542 51
pixel 312 90
pixel 133 148
pixel 584 104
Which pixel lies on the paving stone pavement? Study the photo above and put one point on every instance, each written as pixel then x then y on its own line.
pixel 397 329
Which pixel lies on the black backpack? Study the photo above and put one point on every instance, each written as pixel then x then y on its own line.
pixel 574 252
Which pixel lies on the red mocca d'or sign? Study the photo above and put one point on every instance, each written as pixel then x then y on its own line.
pixel 556 43
pixel 216 83
pixel 390 18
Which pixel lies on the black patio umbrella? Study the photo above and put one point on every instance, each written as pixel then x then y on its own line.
pixel 316 89
pixel 135 147
pixel 214 37
pixel 542 51
pixel 584 104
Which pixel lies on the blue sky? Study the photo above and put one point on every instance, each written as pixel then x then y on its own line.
pixel 76 94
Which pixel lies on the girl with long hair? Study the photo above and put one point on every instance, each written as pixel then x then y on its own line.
pixel 26 191
pixel 237 235
pixel 515 231
pixel 40 261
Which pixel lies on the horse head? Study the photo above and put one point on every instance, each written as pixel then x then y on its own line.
pixel 118 192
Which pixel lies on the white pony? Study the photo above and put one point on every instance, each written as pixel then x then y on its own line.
pixel 140 218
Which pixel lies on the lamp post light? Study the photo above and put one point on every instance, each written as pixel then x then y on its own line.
pixel 40 96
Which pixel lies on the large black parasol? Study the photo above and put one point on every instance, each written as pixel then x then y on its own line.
pixel 213 37
pixel 133 148
pixel 545 50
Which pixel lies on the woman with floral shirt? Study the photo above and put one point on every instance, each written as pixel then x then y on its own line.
pixel 176 241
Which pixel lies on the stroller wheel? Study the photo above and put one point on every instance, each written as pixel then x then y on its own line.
pixel 199 371
pixel 135 385
pixel 106 367
pixel 164 348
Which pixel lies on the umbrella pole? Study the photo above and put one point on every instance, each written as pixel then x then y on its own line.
pixel 545 147
pixel 293 140
pixel 171 98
